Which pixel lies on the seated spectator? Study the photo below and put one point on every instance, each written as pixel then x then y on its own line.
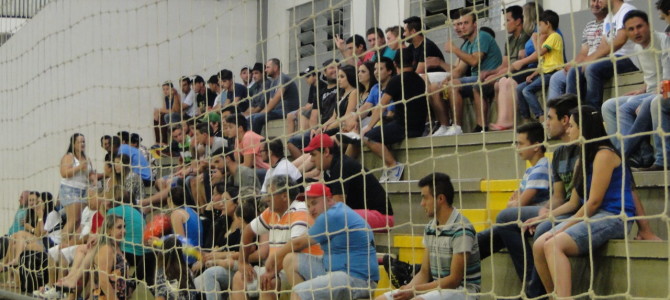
pixel 305 117
pixel 497 79
pixel 377 46
pixel 174 280
pixel 282 97
pixel 225 168
pixel 621 114
pixel 601 205
pixel 136 141
pixel 258 82
pixel 394 35
pixel 566 81
pixel 351 183
pixel 479 53
pixel 138 162
pixel 220 264
pixel 279 164
pixel 217 216
pixel 615 41
pixel 111 267
pixel 233 98
pixel 245 76
pixel 248 144
pixel 180 145
pixel 551 61
pixel 132 241
pixel 353 50
pixel 17 223
pixel 348 268
pixel 124 176
pixel 213 91
pixel 408 91
pixel 428 59
pixel 106 144
pixel 206 142
pixel 171 104
pixel 285 219
pixel 201 105
pixel 188 108
pixel 451 266
pixel 323 111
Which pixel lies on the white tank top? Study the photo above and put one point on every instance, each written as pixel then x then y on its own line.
pixel 80 178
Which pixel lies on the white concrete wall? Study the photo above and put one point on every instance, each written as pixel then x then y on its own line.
pixel 95 67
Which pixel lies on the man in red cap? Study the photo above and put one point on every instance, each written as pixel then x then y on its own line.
pixel 351 183
pixel 348 267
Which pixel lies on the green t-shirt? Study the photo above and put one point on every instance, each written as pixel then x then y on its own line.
pixel 492 58
pixel 132 242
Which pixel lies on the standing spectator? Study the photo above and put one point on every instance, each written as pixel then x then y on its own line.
pixel 76 171
pixel 479 53
pixel 282 97
pixel 348 268
pixel 566 81
pixel 451 267
pixel 551 60
pixel 407 90
pixel 351 183
pixel 171 104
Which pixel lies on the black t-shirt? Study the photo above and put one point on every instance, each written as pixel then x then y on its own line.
pixel 312 97
pixel 431 51
pixel 211 96
pixel 362 190
pixel 328 102
pixel 241 92
pixel 415 94
pixel 202 102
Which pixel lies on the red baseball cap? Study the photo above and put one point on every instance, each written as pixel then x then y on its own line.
pixel 318 190
pixel 319 141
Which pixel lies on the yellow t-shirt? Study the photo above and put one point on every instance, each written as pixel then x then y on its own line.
pixel 552 60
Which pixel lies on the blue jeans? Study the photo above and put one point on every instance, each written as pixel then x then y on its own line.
pixel 565 83
pixel 660 116
pixel 214 281
pixel 597 73
pixel 258 120
pixel 630 122
pixel 172 118
pixel 526 91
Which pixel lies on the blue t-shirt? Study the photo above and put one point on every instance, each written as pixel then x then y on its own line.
pixel 132 242
pixel 612 199
pixel 193 231
pixel 537 177
pixel 386 52
pixel 19 218
pixel 485 43
pixel 138 162
pixel 347 242
pixel 375 95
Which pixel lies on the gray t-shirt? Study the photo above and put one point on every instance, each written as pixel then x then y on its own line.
pixel 290 98
pixel 245 177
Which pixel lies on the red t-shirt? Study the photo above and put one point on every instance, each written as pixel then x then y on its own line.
pixel 98 218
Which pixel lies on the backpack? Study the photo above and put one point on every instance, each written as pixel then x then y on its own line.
pixel 33 270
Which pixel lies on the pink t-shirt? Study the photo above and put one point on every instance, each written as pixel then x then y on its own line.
pixel 251 144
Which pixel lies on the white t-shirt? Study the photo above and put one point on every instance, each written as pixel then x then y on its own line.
pixel 189 100
pixel 217 100
pixel 53 221
pixel 650 59
pixel 86 221
pixel 283 167
pixel 613 23
pixel 217 144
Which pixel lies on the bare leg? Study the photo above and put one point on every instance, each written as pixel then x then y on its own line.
pixel 291 269
pixel 290 121
pixel 457 102
pixel 437 104
pixel 481 108
pixel 73 214
pixel 506 104
pixel 76 273
pixel 382 151
pixel 556 251
pixel 541 264
pixel 237 292
pixel 644 231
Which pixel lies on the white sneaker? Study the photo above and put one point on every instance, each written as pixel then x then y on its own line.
pixel 385 176
pixel 454 130
pixel 352 135
pixel 395 173
pixel 442 131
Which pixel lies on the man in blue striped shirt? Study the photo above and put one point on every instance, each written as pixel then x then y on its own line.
pixel 451 266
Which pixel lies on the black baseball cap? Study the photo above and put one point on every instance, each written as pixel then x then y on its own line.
pixel 308 71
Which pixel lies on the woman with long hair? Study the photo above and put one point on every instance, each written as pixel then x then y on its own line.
pixel 110 263
pixel 521 68
pixel 351 90
pixel 124 176
pixel 76 171
pixel 174 280
pixel 602 191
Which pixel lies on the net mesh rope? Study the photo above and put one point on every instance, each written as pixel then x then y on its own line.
pixel 96 68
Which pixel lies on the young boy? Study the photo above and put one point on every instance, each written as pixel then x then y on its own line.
pixel 534 188
pixel 451 265
pixel 551 60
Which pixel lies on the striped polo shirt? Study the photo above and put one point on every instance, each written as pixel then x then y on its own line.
pixel 292 224
pixel 442 242
pixel 537 177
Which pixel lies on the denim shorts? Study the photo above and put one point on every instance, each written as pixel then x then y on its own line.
pixel 602 230
pixel 70 195
pixel 443 294
pixel 320 284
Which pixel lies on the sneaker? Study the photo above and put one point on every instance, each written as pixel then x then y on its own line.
pixel 49 293
pixel 385 176
pixel 395 173
pixel 454 130
pixel 441 131
pixel 349 137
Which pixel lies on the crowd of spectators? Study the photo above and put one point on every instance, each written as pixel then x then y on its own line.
pixel 245 214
